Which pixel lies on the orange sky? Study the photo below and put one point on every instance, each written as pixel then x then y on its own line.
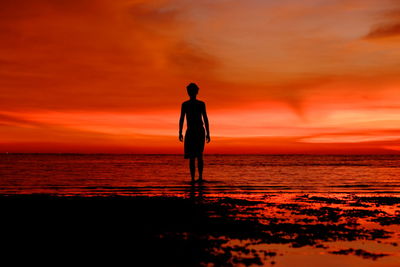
pixel 289 76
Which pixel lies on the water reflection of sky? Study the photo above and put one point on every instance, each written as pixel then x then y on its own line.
pixel 319 229
pixel 165 174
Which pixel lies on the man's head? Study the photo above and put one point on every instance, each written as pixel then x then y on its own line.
pixel 192 90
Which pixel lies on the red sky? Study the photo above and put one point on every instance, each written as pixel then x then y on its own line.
pixel 289 76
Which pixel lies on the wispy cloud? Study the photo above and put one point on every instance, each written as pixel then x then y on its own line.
pixel 384 31
pixel 389 25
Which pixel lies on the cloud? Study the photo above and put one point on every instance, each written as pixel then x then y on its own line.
pixel 9 120
pixel 113 55
pixel 139 55
pixel 389 26
pixel 382 136
pixel 384 31
pixel 192 61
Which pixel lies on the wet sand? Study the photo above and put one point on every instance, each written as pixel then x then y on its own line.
pixel 277 229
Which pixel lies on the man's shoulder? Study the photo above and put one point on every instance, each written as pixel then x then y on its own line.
pixel 191 102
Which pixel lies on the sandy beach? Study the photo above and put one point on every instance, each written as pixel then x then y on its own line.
pixel 198 230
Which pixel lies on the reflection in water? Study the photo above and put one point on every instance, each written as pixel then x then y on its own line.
pixel 196 191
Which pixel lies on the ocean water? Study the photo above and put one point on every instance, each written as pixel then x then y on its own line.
pixel 110 174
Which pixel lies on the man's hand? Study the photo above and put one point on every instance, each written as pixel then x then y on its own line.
pixel 180 137
pixel 208 139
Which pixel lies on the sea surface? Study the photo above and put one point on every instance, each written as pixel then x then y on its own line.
pixel 110 174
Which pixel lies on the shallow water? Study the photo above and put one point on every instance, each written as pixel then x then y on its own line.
pixel 168 174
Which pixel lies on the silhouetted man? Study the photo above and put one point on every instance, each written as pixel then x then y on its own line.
pixel 195 112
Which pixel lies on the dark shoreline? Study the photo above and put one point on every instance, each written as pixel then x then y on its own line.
pixel 177 231
pixel 391 153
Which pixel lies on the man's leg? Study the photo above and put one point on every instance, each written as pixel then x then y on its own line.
pixel 200 167
pixel 192 167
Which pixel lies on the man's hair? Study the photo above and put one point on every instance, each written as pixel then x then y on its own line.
pixel 192 89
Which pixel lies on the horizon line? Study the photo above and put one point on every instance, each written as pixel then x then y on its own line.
pixel 214 154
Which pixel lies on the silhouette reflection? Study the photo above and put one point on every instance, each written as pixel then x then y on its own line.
pixel 196 192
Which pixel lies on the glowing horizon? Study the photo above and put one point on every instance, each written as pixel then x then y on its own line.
pixel 291 76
